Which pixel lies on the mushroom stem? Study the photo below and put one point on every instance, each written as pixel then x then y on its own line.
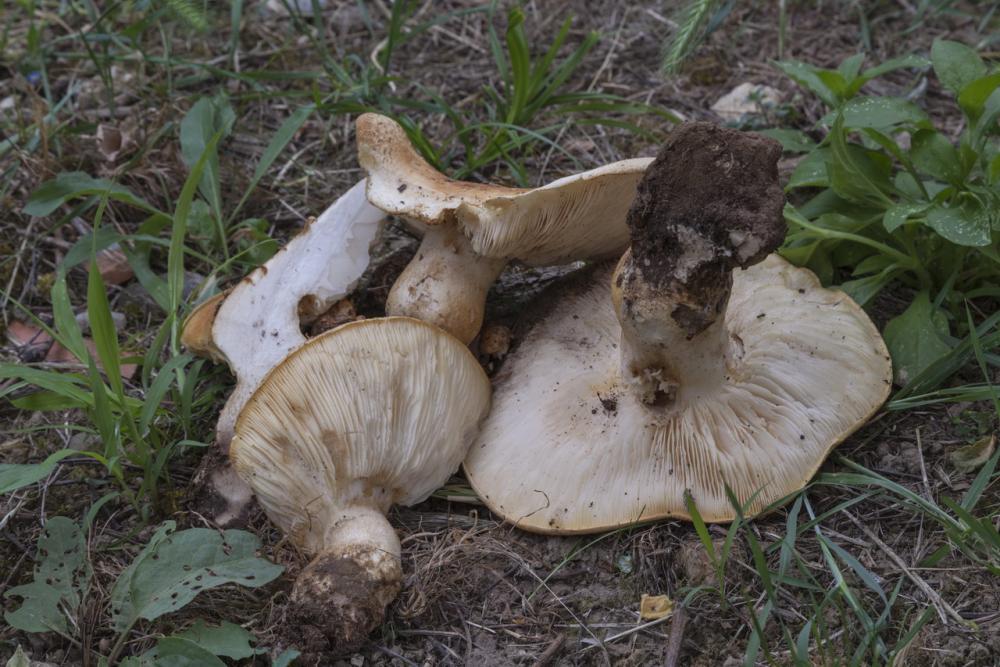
pixel 708 204
pixel 341 596
pixel 445 284
pixel 659 354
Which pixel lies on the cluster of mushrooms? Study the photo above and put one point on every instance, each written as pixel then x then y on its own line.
pixel 697 362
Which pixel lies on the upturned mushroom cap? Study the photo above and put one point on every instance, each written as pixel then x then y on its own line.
pixel 700 362
pixel 567 448
pixel 196 334
pixel 259 322
pixel 371 414
pixel 573 218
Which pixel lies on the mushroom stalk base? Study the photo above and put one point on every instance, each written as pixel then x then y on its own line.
pixel 665 358
pixel 341 596
pixel 445 284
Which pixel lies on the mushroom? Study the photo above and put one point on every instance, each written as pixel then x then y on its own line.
pixel 371 414
pixel 259 321
pixel 700 361
pixel 471 230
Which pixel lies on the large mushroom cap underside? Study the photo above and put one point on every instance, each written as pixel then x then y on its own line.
pixel 568 449
pixel 581 216
pixel 372 413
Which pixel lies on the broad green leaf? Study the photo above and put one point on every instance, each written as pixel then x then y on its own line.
pixel 180 652
pixel 811 171
pixel 871 264
pixel 19 659
pixel 857 174
pixel 793 141
pixel 896 216
pixel 175 566
pixel 915 338
pixel 973 97
pixel 74 184
pixel 850 66
pixel 39 610
pixel 14 476
pixel 285 658
pixel 934 155
pixel 64 559
pixel 955 64
pixel 965 225
pixel 878 113
pixel 228 639
pixel 59 582
pixel 903 62
pixel 809 78
pixel 208 117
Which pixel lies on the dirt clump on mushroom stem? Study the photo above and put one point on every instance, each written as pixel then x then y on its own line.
pixel 709 203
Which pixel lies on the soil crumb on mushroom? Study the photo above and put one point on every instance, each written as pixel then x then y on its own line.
pixel 710 202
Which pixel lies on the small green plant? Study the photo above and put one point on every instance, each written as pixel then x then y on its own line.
pixel 504 127
pixel 169 572
pixel 898 203
pixel 140 429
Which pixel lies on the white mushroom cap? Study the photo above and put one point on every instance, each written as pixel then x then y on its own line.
pixel 568 448
pixel 379 411
pixel 370 414
pixel 259 322
pixel 577 217
pixel 471 230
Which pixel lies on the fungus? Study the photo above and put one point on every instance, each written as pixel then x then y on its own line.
pixel 700 361
pixel 258 322
pixel 371 414
pixel 471 230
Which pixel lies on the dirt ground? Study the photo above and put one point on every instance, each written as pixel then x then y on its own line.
pixel 477 591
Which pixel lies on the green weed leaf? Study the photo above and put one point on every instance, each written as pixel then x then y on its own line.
pixel 75 184
pixel 879 113
pixel 792 141
pixel 179 652
pixel 228 639
pixel 955 64
pixel 208 117
pixel 915 338
pixel 14 476
pixel 934 155
pixel 60 580
pixel 175 567
pixel 896 216
pixel 966 225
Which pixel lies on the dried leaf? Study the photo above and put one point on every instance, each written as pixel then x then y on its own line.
pixel 113 265
pixel 30 342
pixel 58 354
pixel 652 607
pixel 972 457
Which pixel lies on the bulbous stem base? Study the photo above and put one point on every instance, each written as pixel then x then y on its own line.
pixel 341 596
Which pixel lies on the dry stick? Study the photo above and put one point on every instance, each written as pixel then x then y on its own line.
pixel 676 636
pixel 940 605
pixel 550 652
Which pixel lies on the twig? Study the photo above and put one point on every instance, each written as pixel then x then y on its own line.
pixel 392 654
pixel 942 607
pixel 550 651
pixel 676 636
